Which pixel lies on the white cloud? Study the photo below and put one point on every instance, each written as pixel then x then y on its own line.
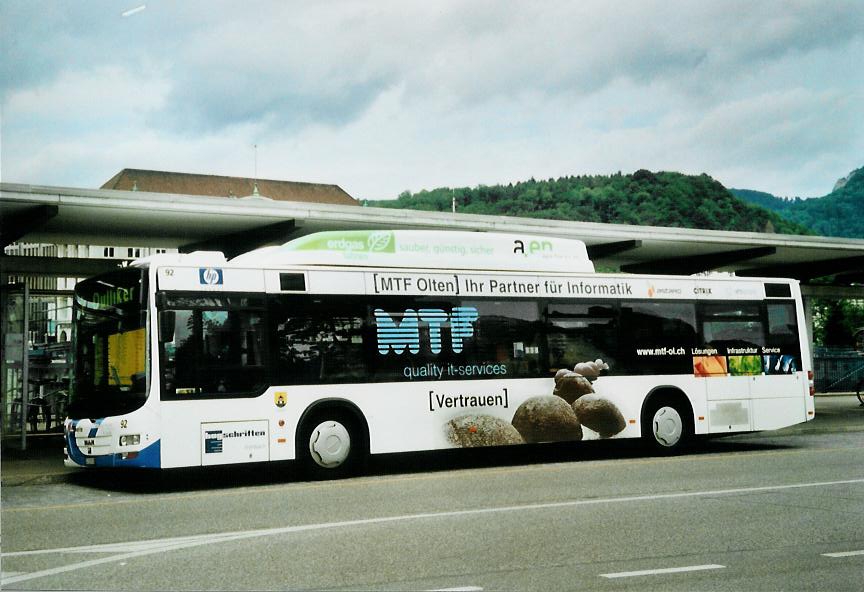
pixel 385 96
pixel 103 92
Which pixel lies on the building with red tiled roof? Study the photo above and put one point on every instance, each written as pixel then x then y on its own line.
pixel 220 186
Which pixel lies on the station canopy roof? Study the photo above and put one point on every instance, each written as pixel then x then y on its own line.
pixel 59 215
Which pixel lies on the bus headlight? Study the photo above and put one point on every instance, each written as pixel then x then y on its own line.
pixel 130 439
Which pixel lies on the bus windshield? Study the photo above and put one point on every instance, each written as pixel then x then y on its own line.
pixel 110 367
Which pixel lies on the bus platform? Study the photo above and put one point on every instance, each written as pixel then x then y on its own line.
pixel 42 462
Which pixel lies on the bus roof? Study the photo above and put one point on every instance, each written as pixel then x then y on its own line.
pixel 427 249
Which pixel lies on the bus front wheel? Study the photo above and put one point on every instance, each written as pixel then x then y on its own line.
pixel 665 427
pixel 331 445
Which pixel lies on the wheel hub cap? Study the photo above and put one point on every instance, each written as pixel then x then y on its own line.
pixel 330 444
pixel 668 426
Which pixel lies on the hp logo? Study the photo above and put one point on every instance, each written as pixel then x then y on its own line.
pixel 210 276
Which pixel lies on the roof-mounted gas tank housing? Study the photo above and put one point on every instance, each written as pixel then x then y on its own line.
pixel 428 249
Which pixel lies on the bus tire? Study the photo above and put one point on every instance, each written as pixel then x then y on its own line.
pixel 332 444
pixel 667 424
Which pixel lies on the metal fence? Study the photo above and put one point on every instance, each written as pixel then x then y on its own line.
pixel 837 370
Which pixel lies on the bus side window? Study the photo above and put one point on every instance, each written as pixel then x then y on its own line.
pixel 657 337
pixel 581 332
pixel 180 354
pixel 508 334
pixel 214 351
pixel 782 327
pixel 732 324
pixel 782 336
pixel 317 342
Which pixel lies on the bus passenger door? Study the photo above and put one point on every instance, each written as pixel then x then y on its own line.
pixel 731 332
pixel 781 392
pixel 779 400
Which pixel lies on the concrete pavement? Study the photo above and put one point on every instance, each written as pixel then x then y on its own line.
pixel 42 462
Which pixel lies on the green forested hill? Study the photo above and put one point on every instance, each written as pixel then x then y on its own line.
pixel 643 198
pixel 764 200
pixel 840 213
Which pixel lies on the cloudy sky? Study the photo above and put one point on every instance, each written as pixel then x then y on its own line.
pixel 383 96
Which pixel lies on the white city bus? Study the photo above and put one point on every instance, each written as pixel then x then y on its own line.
pixel 342 344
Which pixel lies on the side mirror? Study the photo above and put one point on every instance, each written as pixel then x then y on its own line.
pixel 167 318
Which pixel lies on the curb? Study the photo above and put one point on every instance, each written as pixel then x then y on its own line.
pixel 34 479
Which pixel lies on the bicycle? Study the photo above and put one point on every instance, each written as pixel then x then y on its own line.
pixel 859 347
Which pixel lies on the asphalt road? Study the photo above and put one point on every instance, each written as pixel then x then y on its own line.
pixel 772 511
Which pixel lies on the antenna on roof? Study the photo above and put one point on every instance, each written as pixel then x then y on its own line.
pixel 255 178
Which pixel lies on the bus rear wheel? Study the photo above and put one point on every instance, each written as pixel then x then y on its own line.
pixel 331 445
pixel 665 427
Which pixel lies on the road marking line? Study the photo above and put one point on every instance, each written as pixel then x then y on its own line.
pixel 459 589
pixel 390 479
pixel 843 554
pixel 111 547
pixel 666 570
pixel 170 544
